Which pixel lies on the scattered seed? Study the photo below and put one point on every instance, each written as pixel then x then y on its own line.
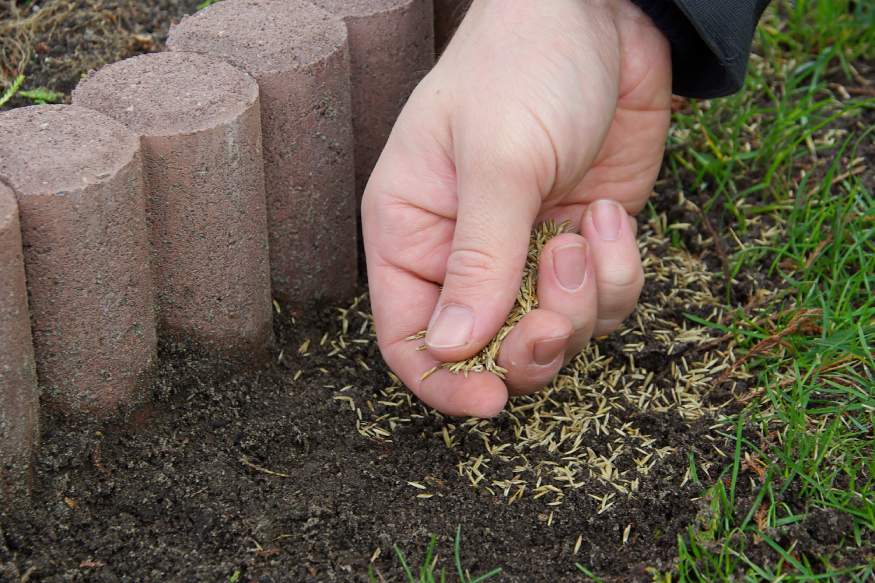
pixel 428 373
pixel 261 469
pixel 574 436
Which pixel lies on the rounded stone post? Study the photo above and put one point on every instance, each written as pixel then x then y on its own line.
pixel 77 176
pixel 298 55
pixel 199 123
pixel 19 399
pixel 391 44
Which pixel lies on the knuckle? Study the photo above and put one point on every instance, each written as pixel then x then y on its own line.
pixel 471 268
pixel 618 297
pixel 623 279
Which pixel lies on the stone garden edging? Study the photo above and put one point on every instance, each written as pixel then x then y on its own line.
pixel 263 121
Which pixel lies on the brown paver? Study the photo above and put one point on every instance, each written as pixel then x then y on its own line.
pixel 447 16
pixel 199 122
pixel 19 399
pixel 299 55
pixel 391 46
pixel 77 176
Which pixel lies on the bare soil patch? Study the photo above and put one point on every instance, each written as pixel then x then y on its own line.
pixel 312 468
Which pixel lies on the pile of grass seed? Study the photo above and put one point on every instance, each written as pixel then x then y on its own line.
pixel 527 300
pixel 590 425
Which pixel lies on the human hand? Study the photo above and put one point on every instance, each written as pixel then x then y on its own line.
pixel 537 110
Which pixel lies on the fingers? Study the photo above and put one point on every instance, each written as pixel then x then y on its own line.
pixel 616 260
pixel 477 395
pixel 402 303
pixel 407 222
pixel 474 395
pixel 547 337
pixel 534 350
pixel 567 286
pixel 497 203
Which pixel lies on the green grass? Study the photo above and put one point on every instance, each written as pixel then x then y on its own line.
pixel 773 163
pixel 814 419
pixel 206 3
pixel 37 96
pixel 10 91
pixel 427 571
pixel 777 154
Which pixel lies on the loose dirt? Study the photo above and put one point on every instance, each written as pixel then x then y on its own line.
pixel 312 468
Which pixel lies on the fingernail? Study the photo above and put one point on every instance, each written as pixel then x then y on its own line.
pixel 569 265
pixel 451 327
pixel 607 216
pixel 546 351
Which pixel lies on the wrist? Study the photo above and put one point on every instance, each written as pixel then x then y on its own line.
pixel 537 21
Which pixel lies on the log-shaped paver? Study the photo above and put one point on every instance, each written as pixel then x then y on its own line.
pixel 199 122
pixel 299 56
pixel 19 399
pixel 77 176
pixel 447 16
pixel 391 45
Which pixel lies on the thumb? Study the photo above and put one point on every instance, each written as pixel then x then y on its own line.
pixel 497 204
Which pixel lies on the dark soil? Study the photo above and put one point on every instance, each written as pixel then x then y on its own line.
pixel 184 492
pixel 253 472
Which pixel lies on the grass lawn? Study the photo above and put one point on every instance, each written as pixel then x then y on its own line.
pixel 786 167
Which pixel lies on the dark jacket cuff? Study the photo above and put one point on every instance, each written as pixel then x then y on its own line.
pixel 710 42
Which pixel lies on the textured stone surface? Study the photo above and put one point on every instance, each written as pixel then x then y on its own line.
pixel 447 16
pixel 200 127
pixel 391 46
pixel 77 176
pixel 19 399
pixel 298 55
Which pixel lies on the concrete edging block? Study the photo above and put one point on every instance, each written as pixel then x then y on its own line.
pixel 200 127
pixel 19 396
pixel 77 176
pixel 391 49
pixel 299 56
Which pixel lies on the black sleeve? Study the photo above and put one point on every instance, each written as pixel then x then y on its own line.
pixel 710 42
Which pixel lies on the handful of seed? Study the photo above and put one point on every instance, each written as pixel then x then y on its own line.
pixel 526 301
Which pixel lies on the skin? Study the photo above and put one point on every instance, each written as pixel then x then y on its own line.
pixel 536 110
